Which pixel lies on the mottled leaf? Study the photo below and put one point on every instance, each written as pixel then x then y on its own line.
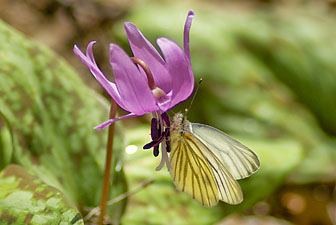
pixel 25 199
pixel 47 115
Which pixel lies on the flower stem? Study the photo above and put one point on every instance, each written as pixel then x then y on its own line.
pixel 108 160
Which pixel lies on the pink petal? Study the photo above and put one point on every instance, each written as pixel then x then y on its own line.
pixel 109 122
pixel 179 68
pixel 131 84
pixel 89 61
pixel 89 52
pixel 145 51
pixel 187 26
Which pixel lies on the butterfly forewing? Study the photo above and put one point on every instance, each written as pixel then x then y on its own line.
pixel 191 171
pixel 239 160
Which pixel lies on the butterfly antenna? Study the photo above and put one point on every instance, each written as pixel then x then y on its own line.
pixel 193 98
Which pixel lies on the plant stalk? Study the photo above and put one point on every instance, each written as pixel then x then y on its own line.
pixel 108 160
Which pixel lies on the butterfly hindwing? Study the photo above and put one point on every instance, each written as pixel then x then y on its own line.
pixel 199 173
pixel 229 189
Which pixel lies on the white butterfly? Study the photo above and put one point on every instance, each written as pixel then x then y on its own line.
pixel 205 162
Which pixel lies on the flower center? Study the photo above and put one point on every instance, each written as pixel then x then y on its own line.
pixel 160 124
pixel 160 133
pixel 158 93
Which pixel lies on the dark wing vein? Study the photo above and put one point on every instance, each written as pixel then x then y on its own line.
pixel 192 173
pixel 238 159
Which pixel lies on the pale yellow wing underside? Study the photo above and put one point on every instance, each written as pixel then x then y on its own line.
pixel 238 159
pixel 200 174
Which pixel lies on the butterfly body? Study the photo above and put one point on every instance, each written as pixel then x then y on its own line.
pixel 205 162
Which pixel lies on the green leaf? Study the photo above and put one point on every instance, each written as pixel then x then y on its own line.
pixel 25 199
pixel 299 51
pixel 46 124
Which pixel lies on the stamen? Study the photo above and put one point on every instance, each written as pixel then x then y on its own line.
pixel 154 130
pixel 168 140
pixel 164 159
pixel 156 151
pixel 156 142
pixel 165 118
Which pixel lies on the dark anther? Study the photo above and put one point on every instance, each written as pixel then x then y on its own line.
pixel 168 139
pixel 165 118
pixel 156 143
pixel 158 135
pixel 159 130
pixel 156 151
pixel 149 145
pixel 154 130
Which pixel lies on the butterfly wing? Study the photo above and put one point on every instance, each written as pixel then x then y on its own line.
pixel 238 159
pixel 204 179
pixel 192 173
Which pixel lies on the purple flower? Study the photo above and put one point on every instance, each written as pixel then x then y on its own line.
pixel 133 90
pixel 147 83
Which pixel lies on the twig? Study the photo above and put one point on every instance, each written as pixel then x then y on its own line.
pixel 119 198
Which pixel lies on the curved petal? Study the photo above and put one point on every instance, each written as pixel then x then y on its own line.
pixel 187 26
pixel 109 122
pixel 179 68
pixel 145 51
pixel 89 61
pixel 131 84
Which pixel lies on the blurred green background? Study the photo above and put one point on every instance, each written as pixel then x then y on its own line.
pixel 269 80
